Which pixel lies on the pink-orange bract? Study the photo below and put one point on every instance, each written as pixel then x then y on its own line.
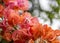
pixel 11 16
pixel 17 4
pixel 22 27
pixel 1 10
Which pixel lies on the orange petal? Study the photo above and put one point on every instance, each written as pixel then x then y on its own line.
pixel 55 41
pixel 7 36
pixel 57 32
pixel 50 36
pixel 1 10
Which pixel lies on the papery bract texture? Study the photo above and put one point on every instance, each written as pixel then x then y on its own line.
pixel 17 4
pixel 12 16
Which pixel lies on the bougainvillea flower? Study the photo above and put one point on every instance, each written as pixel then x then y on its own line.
pixel 7 36
pixel 35 21
pixel 35 33
pixel 31 23
pixel 5 26
pixel 28 20
pixel 15 35
pixel 45 29
pixel 15 4
pixel 21 35
pixel 35 27
pixel 57 32
pixel 2 26
pixel 50 36
pixel 12 16
pixel 25 20
pixel 23 4
pixel 48 33
pixel 1 10
pixel 26 15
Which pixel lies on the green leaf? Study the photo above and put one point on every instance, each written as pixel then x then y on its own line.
pixel 0 38
pixel 55 9
pixel 58 1
pixel 4 41
pixel 50 16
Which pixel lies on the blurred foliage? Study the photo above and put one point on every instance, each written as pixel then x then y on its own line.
pixel 50 14
pixel 58 1
pixel 4 41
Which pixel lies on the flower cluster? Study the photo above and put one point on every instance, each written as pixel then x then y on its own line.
pixel 22 27
pixel 17 4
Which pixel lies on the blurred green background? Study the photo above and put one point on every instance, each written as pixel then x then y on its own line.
pixel 51 9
